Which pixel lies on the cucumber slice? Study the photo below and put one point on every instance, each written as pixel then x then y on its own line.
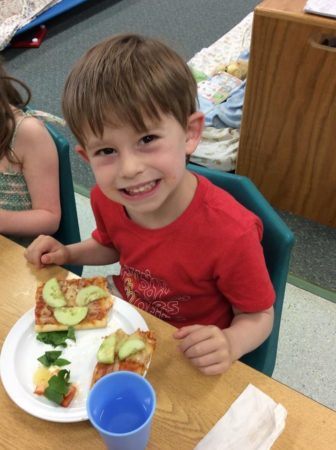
pixel 52 294
pixel 130 347
pixel 90 294
pixel 120 341
pixel 70 316
pixel 106 350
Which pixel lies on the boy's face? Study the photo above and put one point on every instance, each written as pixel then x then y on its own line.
pixel 146 172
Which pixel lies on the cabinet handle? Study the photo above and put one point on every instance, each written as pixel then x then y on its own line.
pixel 323 41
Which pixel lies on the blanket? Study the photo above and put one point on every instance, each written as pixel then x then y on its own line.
pixel 218 148
pixel 15 14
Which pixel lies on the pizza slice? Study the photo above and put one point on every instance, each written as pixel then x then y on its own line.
pixel 122 351
pixel 80 303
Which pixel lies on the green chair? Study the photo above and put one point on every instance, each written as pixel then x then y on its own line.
pixel 277 243
pixel 68 231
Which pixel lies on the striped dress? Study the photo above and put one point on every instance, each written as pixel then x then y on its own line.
pixel 14 194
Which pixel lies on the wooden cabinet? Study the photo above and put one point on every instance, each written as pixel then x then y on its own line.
pixel 288 133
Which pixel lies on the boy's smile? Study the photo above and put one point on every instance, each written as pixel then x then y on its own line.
pixel 146 172
pixel 141 190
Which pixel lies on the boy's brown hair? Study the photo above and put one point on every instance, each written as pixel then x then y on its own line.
pixel 127 79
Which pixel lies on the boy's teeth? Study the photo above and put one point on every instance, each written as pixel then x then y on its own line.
pixel 140 189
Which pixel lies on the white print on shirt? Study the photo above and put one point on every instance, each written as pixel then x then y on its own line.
pixel 151 294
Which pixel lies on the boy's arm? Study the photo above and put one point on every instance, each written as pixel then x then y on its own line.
pixel 90 252
pixel 248 330
pixel 213 350
pixel 46 250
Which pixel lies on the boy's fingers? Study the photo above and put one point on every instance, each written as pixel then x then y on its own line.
pixel 55 257
pixel 44 250
pixel 202 348
pixel 215 369
pixel 184 331
pixel 193 334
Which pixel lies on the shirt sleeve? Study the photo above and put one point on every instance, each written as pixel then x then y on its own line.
pixel 100 234
pixel 247 284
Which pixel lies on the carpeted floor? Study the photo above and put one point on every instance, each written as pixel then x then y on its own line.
pixel 188 26
pixel 314 255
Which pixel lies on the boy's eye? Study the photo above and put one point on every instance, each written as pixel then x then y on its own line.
pixel 105 151
pixel 147 139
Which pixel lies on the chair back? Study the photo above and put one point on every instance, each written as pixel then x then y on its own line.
pixel 277 242
pixel 68 231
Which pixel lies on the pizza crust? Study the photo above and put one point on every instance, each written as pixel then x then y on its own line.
pixel 80 326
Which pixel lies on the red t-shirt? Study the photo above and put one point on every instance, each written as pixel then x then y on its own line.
pixel 195 269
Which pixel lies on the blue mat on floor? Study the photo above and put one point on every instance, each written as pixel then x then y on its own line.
pixel 50 13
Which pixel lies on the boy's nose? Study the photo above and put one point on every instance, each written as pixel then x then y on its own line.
pixel 130 166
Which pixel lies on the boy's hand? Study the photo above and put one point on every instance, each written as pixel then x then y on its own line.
pixel 207 347
pixel 45 250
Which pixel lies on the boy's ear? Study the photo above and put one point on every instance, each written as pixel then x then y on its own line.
pixel 194 131
pixel 82 152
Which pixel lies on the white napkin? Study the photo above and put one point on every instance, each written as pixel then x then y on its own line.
pixel 253 422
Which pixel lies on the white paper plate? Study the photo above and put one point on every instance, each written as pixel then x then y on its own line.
pixel 21 349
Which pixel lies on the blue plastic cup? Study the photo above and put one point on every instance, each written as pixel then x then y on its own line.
pixel 121 406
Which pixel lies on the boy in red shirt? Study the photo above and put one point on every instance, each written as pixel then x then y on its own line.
pixel 189 253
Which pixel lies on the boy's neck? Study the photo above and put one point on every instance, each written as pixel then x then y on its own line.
pixel 175 205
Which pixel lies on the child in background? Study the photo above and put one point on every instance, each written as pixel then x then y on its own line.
pixel 29 183
pixel 189 253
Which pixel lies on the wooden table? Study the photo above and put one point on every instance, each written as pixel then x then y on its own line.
pixel 287 135
pixel 188 403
